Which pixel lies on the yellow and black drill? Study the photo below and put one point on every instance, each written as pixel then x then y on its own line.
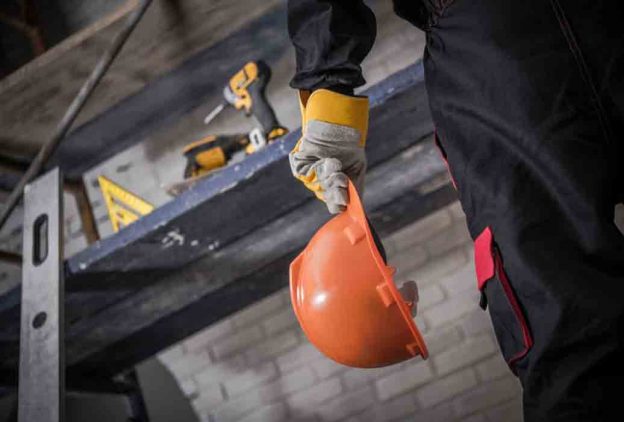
pixel 246 90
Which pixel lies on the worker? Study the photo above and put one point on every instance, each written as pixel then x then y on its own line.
pixel 527 98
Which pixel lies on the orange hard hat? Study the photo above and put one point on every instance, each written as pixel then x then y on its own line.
pixel 345 299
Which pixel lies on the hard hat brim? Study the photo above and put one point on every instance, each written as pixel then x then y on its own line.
pixel 355 211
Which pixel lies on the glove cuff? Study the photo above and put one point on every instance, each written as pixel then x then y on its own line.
pixel 333 107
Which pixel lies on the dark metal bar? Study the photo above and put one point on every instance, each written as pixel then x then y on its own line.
pixel 216 211
pixel 89 227
pixel 13 414
pixel 13 164
pixel 209 305
pixel 10 258
pixel 42 368
pixel 96 385
pixel 138 409
pixel 72 111
pixel 8 181
pixel 74 384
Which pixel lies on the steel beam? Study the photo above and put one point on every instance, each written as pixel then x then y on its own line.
pixel 244 197
pixel 87 219
pixel 136 402
pixel 74 385
pixel 403 190
pixel 13 164
pixel 10 258
pixel 227 242
pixel 41 369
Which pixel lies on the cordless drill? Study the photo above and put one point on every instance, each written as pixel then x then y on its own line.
pixel 211 153
pixel 246 90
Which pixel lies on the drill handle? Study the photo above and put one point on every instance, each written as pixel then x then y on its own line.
pixel 261 109
pixel 264 114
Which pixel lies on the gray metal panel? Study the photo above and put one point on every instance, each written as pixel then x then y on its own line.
pixel 41 371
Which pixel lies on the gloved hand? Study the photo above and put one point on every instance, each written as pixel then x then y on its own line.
pixel 331 148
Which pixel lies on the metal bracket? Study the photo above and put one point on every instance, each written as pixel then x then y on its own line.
pixel 136 402
pixel 257 139
pixel 41 369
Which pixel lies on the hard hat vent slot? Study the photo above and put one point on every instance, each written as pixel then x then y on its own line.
pixel 386 295
pixel 354 233
pixel 413 349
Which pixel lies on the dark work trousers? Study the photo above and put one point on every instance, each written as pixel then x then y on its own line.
pixel 528 102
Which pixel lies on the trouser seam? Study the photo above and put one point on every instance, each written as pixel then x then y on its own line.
pixel 575 49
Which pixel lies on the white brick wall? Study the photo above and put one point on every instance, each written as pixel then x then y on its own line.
pixel 258 366
pixel 412 376
pixel 445 388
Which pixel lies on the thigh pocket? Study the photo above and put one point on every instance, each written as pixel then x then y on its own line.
pixel 512 331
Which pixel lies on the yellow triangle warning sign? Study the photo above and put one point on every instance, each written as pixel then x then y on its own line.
pixel 123 207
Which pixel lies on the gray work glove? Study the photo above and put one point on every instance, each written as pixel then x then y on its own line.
pixel 331 148
pixel 326 155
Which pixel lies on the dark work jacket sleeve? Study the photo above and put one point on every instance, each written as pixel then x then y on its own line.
pixel 331 38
